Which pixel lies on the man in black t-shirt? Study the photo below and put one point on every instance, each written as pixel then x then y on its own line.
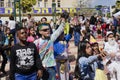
pixel 25 63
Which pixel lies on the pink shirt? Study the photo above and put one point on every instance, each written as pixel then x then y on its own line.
pixel 30 39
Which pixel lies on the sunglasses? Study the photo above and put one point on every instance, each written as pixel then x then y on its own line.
pixel 45 29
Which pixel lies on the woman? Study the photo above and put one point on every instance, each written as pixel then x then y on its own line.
pixel 31 35
pixel 12 26
pixel 96 51
pixel 86 61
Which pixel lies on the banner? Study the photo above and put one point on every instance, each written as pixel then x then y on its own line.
pixel 40 10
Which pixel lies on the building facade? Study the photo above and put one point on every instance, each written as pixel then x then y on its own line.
pixel 44 3
pixel 42 6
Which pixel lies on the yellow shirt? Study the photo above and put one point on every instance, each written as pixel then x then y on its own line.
pixel 66 28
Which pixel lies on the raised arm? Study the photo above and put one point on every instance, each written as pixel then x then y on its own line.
pixel 58 32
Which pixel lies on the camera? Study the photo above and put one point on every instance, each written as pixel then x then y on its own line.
pixel 65 15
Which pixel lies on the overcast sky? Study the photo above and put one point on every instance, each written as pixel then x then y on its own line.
pixel 103 2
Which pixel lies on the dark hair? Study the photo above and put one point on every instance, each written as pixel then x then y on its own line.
pixel 43 18
pixel 29 15
pixel 81 52
pixel 30 29
pixel 82 49
pixel 18 25
pixel 11 17
pixel 65 15
pixel 93 44
pixel 20 28
pixel 83 17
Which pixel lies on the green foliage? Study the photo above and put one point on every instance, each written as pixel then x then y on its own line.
pixel 26 5
pixel 118 4
pixel 117 7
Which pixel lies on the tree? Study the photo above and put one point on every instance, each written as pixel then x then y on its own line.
pixel 117 7
pixel 26 5
pixel 117 4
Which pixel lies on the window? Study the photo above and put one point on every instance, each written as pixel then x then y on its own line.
pixel 58 3
pixel 9 3
pixel 53 0
pixel 40 3
pixel 1 3
pixel 46 3
pixel 46 0
pixel 12 4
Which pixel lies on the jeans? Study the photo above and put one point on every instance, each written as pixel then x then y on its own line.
pixel 52 73
pixel 76 38
pixel 32 76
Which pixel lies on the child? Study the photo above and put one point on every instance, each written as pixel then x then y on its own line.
pixel 31 35
pixel 86 61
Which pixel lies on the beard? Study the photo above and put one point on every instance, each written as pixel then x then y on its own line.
pixel 111 42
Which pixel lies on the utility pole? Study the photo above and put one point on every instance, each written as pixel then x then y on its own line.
pixel 19 12
pixel 18 8
pixel 54 13
pixel 15 9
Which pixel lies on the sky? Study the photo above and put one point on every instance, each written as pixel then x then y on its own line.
pixel 103 2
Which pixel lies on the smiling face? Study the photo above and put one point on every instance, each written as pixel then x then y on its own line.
pixel 22 35
pixel 45 31
pixel 88 49
pixel 95 48
pixel 32 31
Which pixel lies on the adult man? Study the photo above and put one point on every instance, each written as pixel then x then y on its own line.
pixel 44 20
pixel 112 48
pixel 45 47
pixel 25 63
pixel 30 21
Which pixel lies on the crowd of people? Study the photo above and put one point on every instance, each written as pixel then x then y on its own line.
pixel 39 50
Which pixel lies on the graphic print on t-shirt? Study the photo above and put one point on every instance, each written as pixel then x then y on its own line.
pixel 25 58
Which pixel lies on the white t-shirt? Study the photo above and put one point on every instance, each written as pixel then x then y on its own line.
pixel 111 48
pixel 11 24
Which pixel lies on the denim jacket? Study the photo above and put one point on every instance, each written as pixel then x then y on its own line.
pixel 88 66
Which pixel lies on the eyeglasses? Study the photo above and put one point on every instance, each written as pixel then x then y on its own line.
pixel 45 29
